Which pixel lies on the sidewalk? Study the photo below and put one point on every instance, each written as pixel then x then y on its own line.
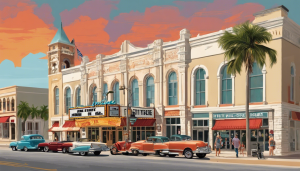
pixel 229 157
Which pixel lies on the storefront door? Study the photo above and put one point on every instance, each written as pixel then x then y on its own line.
pixel 109 135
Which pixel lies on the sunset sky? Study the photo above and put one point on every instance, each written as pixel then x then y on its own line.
pixel 100 26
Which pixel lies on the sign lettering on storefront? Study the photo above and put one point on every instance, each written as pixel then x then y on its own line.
pixel 86 112
pixel 139 112
pixel 114 111
pixel 239 115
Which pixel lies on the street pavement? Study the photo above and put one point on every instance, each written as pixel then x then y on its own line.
pixel 35 160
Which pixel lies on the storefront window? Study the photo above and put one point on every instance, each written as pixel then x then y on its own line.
pixel 173 126
pixel 200 129
pixel 261 135
pixel 265 122
pixel 267 140
pixel 253 135
pixel 5 130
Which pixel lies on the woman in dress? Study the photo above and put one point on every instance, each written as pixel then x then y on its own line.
pixel 271 146
pixel 218 145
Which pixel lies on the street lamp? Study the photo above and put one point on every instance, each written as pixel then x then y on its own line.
pixel 107 94
pixel 132 117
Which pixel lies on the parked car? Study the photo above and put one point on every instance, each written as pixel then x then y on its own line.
pixel 123 147
pixel 27 142
pixel 162 146
pixel 55 146
pixel 83 147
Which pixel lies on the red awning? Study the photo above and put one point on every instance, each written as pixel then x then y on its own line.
pixel 55 124
pixel 296 116
pixel 4 119
pixel 237 124
pixel 69 124
pixel 139 122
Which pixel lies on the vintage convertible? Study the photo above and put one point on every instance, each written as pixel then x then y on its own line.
pixel 162 146
pixel 28 142
pixel 55 146
pixel 83 147
pixel 123 147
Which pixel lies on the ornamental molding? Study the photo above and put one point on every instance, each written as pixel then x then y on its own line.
pixel 70 71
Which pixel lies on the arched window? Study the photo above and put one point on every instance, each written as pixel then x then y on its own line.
pixel 292 84
pixel 173 89
pixel 116 93
pixel 56 110
pixel 150 91
pixel 256 84
pixel 105 90
pixel 94 94
pixel 0 104
pixel 68 99
pixel 8 108
pixel 4 104
pixel 200 87
pixel 226 87
pixel 12 105
pixel 135 93
pixel 78 96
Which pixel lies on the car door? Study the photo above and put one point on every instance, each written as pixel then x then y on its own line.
pixel 59 146
pixel 53 146
pixel 148 145
pixel 159 145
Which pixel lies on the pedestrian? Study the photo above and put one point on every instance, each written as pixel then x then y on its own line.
pixel 242 149
pixel 236 143
pixel 271 146
pixel 218 145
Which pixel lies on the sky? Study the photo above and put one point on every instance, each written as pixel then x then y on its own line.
pixel 100 26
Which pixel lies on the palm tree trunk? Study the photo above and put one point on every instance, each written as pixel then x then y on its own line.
pixel 247 115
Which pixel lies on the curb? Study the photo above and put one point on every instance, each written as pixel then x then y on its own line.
pixel 258 162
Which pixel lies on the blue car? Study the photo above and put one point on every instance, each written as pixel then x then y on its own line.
pixel 28 142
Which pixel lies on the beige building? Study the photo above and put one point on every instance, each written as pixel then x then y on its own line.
pixel 185 82
pixel 13 127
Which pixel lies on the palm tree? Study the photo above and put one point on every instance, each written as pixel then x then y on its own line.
pixel 23 110
pixel 43 112
pixel 244 47
pixel 34 112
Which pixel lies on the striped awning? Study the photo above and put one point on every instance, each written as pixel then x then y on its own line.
pixel 70 126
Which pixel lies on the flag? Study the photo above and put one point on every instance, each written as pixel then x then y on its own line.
pixel 79 54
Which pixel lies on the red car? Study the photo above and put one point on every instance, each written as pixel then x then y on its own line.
pixel 120 146
pixel 55 146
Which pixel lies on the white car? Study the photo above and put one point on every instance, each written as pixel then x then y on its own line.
pixel 83 147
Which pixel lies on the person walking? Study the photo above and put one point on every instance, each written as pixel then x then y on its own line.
pixel 236 143
pixel 218 145
pixel 272 146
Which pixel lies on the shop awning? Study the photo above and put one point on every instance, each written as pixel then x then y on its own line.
pixel 237 124
pixel 296 116
pixel 140 122
pixel 70 126
pixel 107 121
pixel 4 119
pixel 55 125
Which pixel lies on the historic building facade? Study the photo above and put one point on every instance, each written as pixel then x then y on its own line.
pixel 185 81
pixel 11 126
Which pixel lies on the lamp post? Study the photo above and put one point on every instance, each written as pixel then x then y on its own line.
pixel 107 94
pixel 132 117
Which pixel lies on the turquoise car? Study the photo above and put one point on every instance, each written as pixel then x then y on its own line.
pixel 28 142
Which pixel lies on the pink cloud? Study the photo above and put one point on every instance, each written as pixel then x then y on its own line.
pixel 94 9
pixel 188 8
pixel 44 13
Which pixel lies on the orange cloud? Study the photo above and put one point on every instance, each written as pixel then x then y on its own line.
pixel 23 34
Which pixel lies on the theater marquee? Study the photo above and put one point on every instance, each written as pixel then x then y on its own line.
pixel 87 112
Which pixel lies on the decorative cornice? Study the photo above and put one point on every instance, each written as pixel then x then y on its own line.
pixel 70 71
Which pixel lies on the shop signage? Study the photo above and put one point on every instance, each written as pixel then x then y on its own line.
pixel 98 122
pixel 138 112
pixel 114 111
pixel 87 112
pixel 239 115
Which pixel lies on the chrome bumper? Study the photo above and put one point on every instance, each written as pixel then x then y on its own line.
pixel 203 150
pixel 99 149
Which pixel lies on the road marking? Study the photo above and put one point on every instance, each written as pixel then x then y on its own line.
pixel 13 164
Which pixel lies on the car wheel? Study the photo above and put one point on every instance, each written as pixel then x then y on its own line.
pixel 64 150
pixel 46 149
pixel 172 155
pixel 25 149
pixel 13 149
pixel 200 155
pixel 135 152
pixel 97 153
pixel 113 151
pixel 83 153
pixel 144 154
pixel 188 153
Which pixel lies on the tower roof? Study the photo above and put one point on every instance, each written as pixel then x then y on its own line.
pixel 60 37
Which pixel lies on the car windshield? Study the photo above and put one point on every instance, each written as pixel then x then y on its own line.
pixel 83 140
pixel 166 140
pixel 36 137
pixel 187 138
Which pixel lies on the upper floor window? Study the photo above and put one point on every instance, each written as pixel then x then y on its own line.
pixel 200 87
pixel 116 93
pixel 172 84
pixel 0 104
pixel 4 104
pixel 8 108
pixel 256 84
pixel 135 93
pixel 53 47
pixel 56 107
pixel 150 91
pixel 94 94
pixel 12 105
pixel 68 100
pixel 78 96
pixel 226 87
pixel 105 90
pixel 292 84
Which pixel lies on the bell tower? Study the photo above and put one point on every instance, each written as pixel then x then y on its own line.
pixel 60 53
